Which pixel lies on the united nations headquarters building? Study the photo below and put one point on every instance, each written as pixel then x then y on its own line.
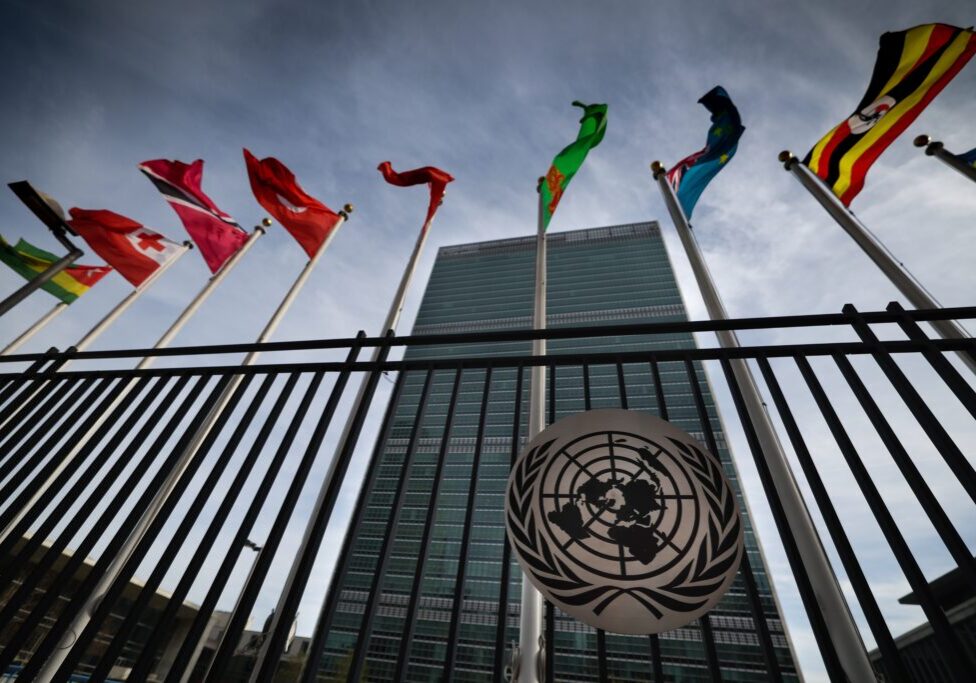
pixel 426 587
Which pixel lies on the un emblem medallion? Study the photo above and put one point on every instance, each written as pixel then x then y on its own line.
pixel 624 521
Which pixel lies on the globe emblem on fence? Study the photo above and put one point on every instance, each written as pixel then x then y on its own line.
pixel 624 521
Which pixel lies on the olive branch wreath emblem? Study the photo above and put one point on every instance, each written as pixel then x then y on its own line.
pixel 703 570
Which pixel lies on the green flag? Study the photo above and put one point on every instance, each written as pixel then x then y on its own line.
pixel 592 127
pixel 29 262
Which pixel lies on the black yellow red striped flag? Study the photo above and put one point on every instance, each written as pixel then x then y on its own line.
pixel 912 68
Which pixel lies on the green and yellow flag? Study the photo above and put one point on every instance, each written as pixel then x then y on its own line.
pixel 29 262
pixel 592 127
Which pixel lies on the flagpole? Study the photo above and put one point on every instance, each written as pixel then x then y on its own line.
pixel 205 293
pixel 54 220
pixel 272 325
pixel 51 666
pixel 528 661
pixel 899 276
pixel 830 598
pixel 311 540
pixel 119 309
pixel 143 364
pixel 25 336
pixel 42 278
pixel 129 299
pixel 934 148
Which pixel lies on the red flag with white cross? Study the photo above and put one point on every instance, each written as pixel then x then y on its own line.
pixel 130 247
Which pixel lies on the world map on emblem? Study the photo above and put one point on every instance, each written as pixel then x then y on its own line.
pixel 624 521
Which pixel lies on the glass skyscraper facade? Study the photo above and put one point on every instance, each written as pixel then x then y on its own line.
pixel 600 276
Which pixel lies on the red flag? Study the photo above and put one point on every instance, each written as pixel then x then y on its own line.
pixel 307 219
pixel 131 248
pixel 217 235
pixel 434 177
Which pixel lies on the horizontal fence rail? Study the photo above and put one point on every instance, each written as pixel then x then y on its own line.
pixel 186 486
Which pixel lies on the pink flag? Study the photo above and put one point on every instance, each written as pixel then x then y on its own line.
pixel 216 234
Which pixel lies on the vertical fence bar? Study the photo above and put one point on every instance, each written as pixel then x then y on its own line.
pixel 82 438
pixel 926 497
pixel 57 630
pixel 418 573
pixel 259 571
pixel 862 588
pixel 704 625
pixel 287 608
pixel 457 606
pixel 35 379
pixel 109 603
pixel 501 627
pixel 183 658
pixel 67 499
pixel 831 661
pixel 24 507
pixel 160 632
pixel 622 386
pixel 953 379
pixel 752 590
pixel 14 382
pixel 946 638
pixel 141 536
pixel 379 572
pixel 711 652
pixel 930 424
pixel 20 444
pixel 662 411
pixel 330 605
pixel 603 673
pixel 41 406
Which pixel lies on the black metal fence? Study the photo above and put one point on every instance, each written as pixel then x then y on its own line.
pixel 84 453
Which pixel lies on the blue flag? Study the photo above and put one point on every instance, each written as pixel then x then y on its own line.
pixel 968 157
pixel 690 175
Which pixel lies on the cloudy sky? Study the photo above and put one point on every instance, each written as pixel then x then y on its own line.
pixel 482 90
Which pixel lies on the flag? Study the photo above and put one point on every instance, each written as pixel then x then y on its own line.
pixel 691 175
pixel 307 219
pixel 29 262
pixel 131 248
pixel 968 158
pixel 592 127
pixel 435 178
pixel 217 235
pixel 913 66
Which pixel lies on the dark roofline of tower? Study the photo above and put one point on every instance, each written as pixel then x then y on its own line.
pixel 624 230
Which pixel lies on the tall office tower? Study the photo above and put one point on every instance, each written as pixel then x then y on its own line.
pixel 384 608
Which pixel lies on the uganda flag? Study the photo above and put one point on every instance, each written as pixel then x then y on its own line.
pixel 913 67
pixel 592 127
pixel 29 261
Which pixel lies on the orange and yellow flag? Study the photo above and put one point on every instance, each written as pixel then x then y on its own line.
pixel 912 68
